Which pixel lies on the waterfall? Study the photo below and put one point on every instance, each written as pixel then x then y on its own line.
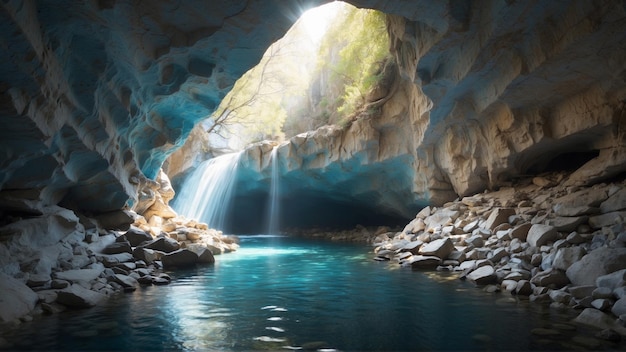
pixel 207 193
pixel 274 208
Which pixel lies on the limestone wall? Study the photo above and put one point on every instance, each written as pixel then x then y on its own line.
pixel 97 94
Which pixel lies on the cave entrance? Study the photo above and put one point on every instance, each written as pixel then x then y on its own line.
pixel 322 72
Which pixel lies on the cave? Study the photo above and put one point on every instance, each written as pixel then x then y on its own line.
pixel 249 214
pixel 567 161
pixel 103 102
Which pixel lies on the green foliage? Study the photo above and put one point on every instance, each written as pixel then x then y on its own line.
pixel 353 51
pixel 296 88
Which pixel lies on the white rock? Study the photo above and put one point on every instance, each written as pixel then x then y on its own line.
pixel 16 299
pixel 80 274
pixel 439 248
pixel 498 216
pixel 597 263
pixel 79 297
pixel 483 275
pixel 565 257
pixel 540 234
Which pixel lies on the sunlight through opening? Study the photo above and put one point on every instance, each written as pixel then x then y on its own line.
pixel 316 20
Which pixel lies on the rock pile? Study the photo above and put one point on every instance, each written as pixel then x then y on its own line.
pixel 57 260
pixel 541 239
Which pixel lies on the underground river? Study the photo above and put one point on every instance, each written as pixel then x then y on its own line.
pixel 284 293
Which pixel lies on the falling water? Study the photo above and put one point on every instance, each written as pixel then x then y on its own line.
pixel 274 209
pixel 206 194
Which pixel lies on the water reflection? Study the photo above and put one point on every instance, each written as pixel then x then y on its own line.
pixel 282 293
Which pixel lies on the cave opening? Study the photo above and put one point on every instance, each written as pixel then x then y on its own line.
pixel 568 161
pixel 307 79
pixel 248 214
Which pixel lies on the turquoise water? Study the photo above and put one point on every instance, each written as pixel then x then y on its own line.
pixel 281 293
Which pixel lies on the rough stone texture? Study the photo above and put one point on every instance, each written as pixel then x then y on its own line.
pixel 565 257
pixel 540 234
pixel 97 95
pixel 483 275
pixel 77 296
pixel 16 299
pixel 440 248
pixel 599 262
pixel 179 258
pixel 612 280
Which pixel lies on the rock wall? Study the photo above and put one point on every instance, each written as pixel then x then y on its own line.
pixel 97 94
pixel 486 92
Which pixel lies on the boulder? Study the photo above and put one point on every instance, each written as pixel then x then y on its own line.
pixel 115 220
pixel 415 226
pixel 619 307
pixel 602 292
pixel 615 202
pixel 441 218
pixel 137 236
pixel 424 261
pixel 560 296
pixel 16 299
pixel 597 263
pixel 523 288
pixel 498 216
pixel 568 210
pixel 521 231
pixel 77 296
pixel 598 320
pixel 35 280
pixel 179 258
pixel 567 256
pixel 590 197
pixel 204 254
pixel 77 275
pixel 620 292
pixel 575 238
pixel 483 275
pixel 552 278
pixel 412 247
pixel 613 280
pixel 601 304
pixel 475 240
pixel 608 219
pixel 126 281
pixel 440 248
pixel 540 234
pixel 146 254
pixel 579 292
pixel 110 260
pixel 567 224
pixel 497 254
pixel 163 244
pixel 117 247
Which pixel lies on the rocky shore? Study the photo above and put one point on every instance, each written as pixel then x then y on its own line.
pixel 52 259
pixel 564 246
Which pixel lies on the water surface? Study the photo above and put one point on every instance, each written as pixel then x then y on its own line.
pixel 282 293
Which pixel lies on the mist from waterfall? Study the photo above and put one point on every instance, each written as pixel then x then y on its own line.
pixel 207 193
pixel 274 207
